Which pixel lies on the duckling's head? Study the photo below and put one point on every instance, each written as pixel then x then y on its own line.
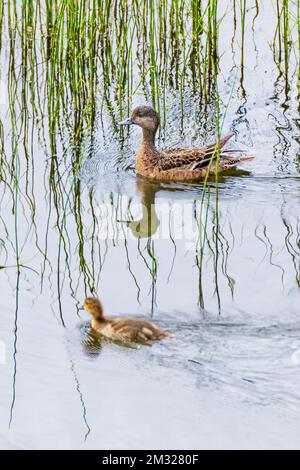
pixel 93 306
pixel 143 116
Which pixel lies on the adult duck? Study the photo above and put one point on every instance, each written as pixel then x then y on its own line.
pixel 178 164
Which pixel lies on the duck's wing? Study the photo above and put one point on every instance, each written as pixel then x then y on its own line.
pixel 187 158
pixel 180 158
pixel 132 329
pixel 151 332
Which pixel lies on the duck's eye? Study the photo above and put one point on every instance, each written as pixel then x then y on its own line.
pixel 142 114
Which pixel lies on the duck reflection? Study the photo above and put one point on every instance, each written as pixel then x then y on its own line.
pixel 147 226
pixel 92 342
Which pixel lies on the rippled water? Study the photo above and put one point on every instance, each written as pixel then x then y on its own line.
pixel 230 377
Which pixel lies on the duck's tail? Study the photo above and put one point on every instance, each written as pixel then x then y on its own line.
pixel 223 140
pixel 228 162
pixel 228 158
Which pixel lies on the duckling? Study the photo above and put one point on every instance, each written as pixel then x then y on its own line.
pixel 124 329
pixel 178 164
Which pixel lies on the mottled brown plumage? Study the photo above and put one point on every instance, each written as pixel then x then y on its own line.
pixel 125 329
pixel 178 164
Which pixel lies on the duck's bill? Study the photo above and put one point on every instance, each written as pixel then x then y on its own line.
pixel 127 122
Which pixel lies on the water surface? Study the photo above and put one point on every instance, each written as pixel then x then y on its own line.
pixel 220 269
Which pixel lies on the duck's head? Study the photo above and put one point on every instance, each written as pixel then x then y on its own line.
pixel 143 116
pixel 93 306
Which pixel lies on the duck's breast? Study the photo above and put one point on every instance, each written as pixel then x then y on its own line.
pixel 105 329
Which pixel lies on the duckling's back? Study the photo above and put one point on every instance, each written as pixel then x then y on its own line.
pixel 131 330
